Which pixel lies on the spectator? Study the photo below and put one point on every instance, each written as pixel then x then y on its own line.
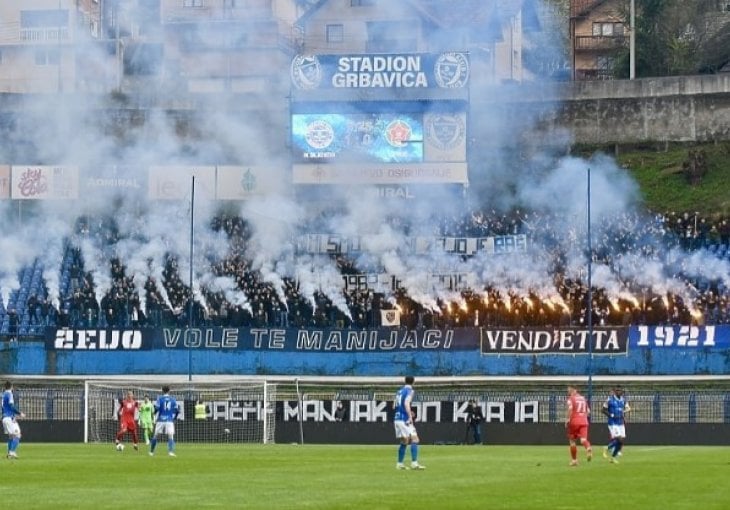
pixel 31 304
pixel 474 420
pixel 624 243
pixel 341 412
pixel 13 323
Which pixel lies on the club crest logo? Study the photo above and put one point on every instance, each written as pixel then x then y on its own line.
pixel 451 70
pixel 445 132
pixel 306 72
pixel 319 134
pixel 398 133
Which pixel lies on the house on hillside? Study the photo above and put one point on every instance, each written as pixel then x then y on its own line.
pixel 492 31
pixel 597 35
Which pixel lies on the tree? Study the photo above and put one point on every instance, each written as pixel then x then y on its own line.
pixel 546 50
pixel 670 37
pixel 715 51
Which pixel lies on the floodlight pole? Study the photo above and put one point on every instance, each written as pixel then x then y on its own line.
pixel 190 305
pixel 590 296
pixel 632 40
pixel 301 411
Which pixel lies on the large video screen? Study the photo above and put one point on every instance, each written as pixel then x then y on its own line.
pixel 357 137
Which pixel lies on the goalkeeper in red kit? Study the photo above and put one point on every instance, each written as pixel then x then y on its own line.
pixel 127 415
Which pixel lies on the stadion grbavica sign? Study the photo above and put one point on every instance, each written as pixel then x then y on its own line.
pixel 421 70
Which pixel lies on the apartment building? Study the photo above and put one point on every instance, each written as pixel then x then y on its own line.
pixel 215 46
pixel 130 45
pixel 53 46
pixel 238 46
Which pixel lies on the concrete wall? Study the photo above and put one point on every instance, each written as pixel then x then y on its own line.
pixel 674 109
pixel 681 109
pixel 31 358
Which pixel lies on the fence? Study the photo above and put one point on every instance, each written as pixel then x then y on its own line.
pixel 655 401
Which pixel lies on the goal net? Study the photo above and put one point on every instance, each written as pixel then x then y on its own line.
pixel 236 412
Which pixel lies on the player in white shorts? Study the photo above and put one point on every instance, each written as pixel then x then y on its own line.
pixel 10 424
pixel 167 410
pixel 405 430
pixel 615 408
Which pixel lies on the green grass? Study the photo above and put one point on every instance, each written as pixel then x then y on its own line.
pixel 665 188
pixel 340 477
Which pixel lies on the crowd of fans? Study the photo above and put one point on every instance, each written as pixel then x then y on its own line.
pixel 169 303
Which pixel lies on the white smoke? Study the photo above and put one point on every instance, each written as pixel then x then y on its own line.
pixel 507 172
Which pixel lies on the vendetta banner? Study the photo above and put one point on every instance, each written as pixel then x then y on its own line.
pixel 555 341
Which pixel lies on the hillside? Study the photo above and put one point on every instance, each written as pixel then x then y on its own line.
pixel 662 175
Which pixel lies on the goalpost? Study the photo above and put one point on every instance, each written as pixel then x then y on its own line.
pixel 235 411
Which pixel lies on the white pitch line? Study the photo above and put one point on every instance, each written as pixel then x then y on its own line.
pixel 652 448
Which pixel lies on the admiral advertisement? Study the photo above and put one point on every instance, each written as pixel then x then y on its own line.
pixel 114 179
pixel 448 70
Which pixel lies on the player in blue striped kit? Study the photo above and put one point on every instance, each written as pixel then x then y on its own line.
pixel 615 408
pixel 405 431
pixel 10 424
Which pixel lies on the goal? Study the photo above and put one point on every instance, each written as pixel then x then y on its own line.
pixel 235 412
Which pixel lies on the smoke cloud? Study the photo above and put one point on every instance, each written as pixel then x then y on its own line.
pixel 114 141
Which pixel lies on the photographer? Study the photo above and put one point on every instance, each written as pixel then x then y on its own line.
pixel 474 419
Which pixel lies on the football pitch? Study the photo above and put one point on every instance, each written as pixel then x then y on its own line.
pixel 232 476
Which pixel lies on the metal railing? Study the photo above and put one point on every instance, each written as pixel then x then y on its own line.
pixel 66 402
pixel 44 34
pixel 600 42
pixel 593 74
